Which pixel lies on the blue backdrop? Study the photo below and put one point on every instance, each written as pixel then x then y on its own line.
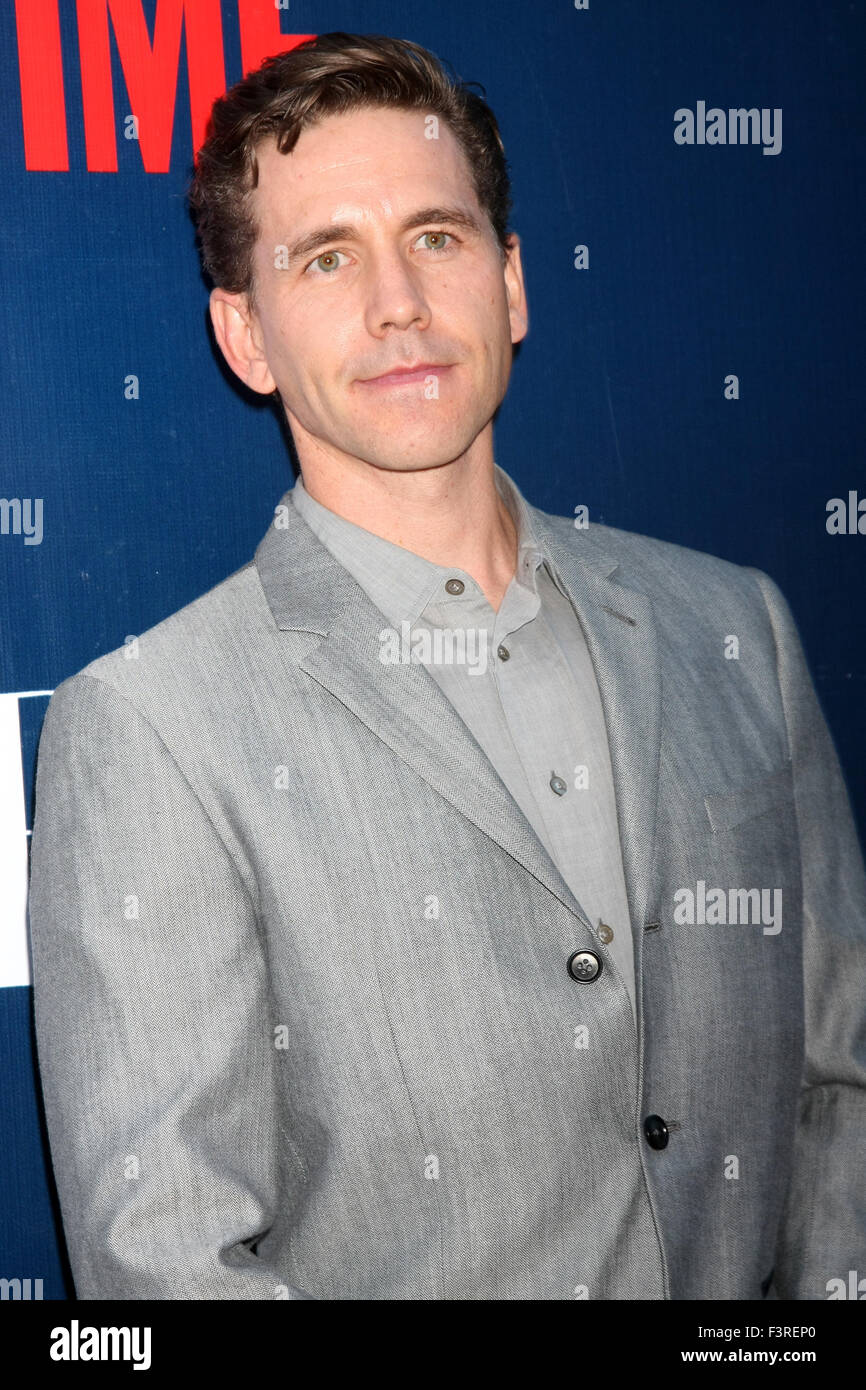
pixel 697 375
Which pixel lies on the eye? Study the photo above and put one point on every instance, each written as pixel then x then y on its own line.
pixel 326 256
pixel 437 233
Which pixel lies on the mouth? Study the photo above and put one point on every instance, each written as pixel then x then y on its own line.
pixel 407 376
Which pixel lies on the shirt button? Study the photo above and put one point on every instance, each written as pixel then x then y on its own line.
pixel 584 966
pixel 557 785
pixel 455 586
pixel 502 652
pixel 605 933
pixel 656 1132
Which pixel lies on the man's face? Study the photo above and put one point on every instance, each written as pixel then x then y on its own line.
pixel 407 271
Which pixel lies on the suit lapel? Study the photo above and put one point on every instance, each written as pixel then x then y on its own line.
pixel 308 590
pixel 622 639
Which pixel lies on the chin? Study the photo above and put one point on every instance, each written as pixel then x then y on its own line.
pixel 416 454
pixel 417 447
pixel 410 464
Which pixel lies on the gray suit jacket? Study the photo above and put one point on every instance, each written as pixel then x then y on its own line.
pixel 304 1018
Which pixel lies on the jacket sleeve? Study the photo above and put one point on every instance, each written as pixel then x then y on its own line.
pixel 823 1231
pixel 154 1033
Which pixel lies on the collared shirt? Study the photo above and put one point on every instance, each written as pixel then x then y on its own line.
pixel 522 681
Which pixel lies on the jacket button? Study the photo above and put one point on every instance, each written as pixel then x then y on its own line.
pixel 584 966
pixel 656 1132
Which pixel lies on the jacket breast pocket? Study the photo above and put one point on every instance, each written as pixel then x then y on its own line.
pixel 771 793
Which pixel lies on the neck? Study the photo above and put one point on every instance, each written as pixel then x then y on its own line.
pixel 452 515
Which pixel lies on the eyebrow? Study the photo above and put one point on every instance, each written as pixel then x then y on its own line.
pixel 346 231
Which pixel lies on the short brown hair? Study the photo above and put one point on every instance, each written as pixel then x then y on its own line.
pixel 329 75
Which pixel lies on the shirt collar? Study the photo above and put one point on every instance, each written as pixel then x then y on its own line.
pixel 400 583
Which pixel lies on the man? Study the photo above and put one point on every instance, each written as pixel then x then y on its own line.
pixel 451 904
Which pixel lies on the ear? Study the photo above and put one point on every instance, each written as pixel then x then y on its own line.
pixel 238 334
pixel 518 309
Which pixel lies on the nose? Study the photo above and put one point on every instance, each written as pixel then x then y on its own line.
pixel 395 297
